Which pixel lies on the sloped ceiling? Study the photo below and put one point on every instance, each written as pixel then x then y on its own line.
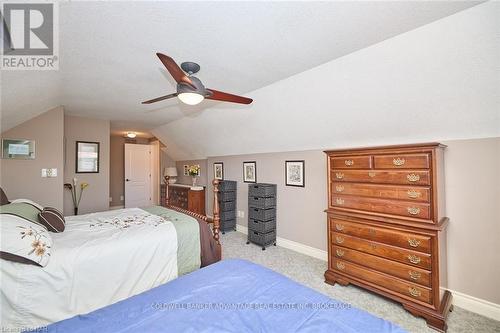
pixel 107 61
pixel 441 81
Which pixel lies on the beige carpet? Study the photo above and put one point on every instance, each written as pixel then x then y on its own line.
pixel 309 271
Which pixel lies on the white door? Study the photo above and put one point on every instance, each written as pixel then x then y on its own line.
pixel 137 175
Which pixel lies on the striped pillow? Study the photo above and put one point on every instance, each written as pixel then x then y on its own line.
pixel 52 219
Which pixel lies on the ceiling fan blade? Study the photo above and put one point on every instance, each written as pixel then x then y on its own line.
pixel 222 96
pixel 157 99
pixel 174 70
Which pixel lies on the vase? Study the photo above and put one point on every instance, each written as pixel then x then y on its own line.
pixel 76 210
pixel 194 181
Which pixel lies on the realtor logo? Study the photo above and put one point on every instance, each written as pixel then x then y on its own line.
pixel 29 36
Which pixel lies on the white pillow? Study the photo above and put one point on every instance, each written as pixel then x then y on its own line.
pixel 28 201
pixel 25 239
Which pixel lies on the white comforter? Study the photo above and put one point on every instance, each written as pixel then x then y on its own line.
pixel 99 259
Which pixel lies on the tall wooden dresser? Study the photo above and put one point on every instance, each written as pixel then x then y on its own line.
pixel 386 225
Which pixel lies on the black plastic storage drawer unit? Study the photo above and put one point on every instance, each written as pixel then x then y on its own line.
pixel 227 205
pixel 262 214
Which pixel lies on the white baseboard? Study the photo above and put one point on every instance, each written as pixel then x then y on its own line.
pixel 469 303
pixel 116 207
pixel 294 246
pixel 476 305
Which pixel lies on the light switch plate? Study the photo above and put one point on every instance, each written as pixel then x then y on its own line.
pixel 49 173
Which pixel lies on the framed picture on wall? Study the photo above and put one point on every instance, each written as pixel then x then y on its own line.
pixel 295 173
pixel 87 157
pixel 250 172
pixel 23 149
pixel 219 170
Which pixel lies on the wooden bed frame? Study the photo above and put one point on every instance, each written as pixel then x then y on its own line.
pixel 214 219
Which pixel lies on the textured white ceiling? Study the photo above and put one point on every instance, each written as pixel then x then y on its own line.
pixel 108 63
pixel 438 82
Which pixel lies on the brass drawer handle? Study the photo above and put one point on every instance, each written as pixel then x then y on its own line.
pixel 414 275
pixel 339 239
pixel 414 259
pixel 371 174
pixel 339 188
pixel 339 227
pixel 398 161
pixel 372 232
pixel 339 175
pixel 413 177
pixel 349 162
pixel 413 242
pixel 413 210
pixel 339 201
pixel 340 265
pixel 414 292
pixel 413 194
pixel 339 252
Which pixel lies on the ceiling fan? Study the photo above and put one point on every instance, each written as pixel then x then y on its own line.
pixel 190 90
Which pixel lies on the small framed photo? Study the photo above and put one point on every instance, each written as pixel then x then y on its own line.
pixel 295 173
pixel 87 157
pixel 219 170
pixel 250 172
pixel 186 168
pixel 22 149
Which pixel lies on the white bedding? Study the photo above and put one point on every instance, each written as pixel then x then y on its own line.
pixel 99 259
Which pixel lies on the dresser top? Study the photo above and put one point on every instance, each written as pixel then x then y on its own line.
pixel 388 148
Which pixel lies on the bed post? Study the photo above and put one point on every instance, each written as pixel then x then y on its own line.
pixel 216 210
pixel 167 194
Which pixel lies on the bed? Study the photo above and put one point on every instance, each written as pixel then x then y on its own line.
pixel 229 296
pixel 102 258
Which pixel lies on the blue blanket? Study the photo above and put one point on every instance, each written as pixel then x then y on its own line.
pixel 229 296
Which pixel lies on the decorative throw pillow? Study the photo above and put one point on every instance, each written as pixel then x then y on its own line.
pixel 3 198
pixel 28 201
pixel 24 241
pixel 52 219
pixel 21 209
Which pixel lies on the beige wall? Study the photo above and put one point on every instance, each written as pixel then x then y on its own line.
pixel 116 170
pixel 22 178
pixel 299 209
pixel 472 199
pixel 202 179
pixel 472 170
pixel 96 196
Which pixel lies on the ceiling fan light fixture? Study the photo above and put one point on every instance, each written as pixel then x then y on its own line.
pixel 131 135
pixel 191 98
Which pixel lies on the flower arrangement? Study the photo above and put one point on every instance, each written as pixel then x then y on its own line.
pixel 194 170
pixel 77 197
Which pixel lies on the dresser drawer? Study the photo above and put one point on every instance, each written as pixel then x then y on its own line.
pixel 351 162
pixel 391 252
pixel 421 194
pixel 402 239
pixel 394 207
pixel 406 289
pixel 414 177
pixel 402 271
pixel 402 161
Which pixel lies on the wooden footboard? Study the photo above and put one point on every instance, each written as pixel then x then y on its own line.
pixel 215 219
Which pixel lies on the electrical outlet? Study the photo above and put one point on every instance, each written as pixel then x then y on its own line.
pixel 110 199
pixel 122 198
pixel 241 213
pixel 49 173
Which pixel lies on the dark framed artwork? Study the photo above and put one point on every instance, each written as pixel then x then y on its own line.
pixel 295 173
pixel 87 157
pixel 250 172
pixel 219 170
